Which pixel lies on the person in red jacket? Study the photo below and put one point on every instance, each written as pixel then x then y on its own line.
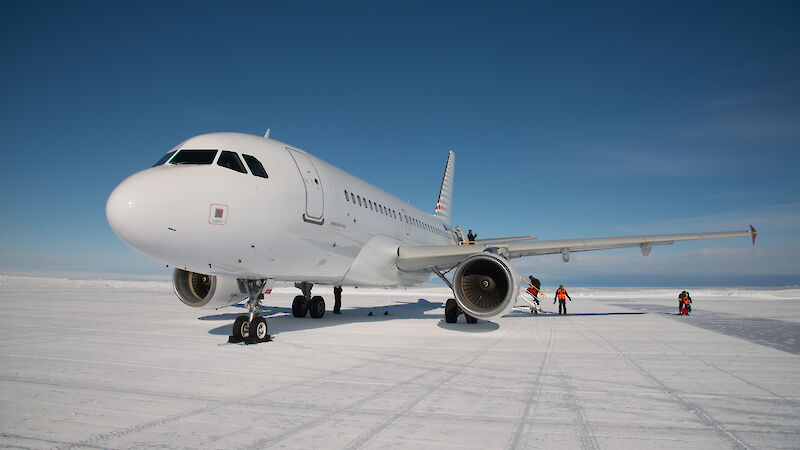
pixel 561 296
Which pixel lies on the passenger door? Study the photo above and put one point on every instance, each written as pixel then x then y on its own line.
pixel 315 202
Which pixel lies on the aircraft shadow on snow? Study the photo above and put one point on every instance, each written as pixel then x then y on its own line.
pixel 281 320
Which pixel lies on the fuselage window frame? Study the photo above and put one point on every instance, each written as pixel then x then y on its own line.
pixel 255 166
pixel 201 157
pixel 165 158
pixel 231 161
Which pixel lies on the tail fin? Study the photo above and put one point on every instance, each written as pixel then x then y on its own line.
pixel 445 202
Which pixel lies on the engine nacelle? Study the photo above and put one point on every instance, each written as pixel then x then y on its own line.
pixel 484 285
pixel 207 291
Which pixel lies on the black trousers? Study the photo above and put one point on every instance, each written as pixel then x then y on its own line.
pixel 562 304
pixel 337 299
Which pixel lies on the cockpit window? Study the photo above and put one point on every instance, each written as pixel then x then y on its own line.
pixel 194 157
pixel 231 161
pixel 164 158
pixel 255 166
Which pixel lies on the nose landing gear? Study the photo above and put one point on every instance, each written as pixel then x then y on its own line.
pixel 252 328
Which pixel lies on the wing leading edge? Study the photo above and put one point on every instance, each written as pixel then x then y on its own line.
pixel 426 257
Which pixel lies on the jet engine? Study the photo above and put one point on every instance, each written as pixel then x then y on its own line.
pixel 207 291
pixel 484 285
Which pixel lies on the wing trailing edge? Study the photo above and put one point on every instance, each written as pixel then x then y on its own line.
pixel 412 258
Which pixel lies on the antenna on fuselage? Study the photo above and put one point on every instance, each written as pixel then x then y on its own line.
pixel 266 135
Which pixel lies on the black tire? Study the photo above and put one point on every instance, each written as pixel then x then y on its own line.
pixel 470 319
pixel 241 328
pixel 316 307
pixel 299 306
pixel 451 311
pixel 258 328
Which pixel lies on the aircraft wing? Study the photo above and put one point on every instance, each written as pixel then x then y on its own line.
pixel 413 258
pixel 505 240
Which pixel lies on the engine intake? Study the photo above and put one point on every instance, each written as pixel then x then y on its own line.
pixel 484 285
pixel 207 291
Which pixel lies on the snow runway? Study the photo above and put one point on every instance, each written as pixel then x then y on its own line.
pixel 113 364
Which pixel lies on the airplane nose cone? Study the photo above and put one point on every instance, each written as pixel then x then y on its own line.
pixel 136 211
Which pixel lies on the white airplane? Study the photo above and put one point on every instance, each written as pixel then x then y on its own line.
pixel 233 212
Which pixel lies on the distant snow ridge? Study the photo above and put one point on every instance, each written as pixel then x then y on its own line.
pixel 767 293
pixel 30 282
pixel 437 292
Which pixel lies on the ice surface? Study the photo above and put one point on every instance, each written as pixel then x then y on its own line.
pixel 122 363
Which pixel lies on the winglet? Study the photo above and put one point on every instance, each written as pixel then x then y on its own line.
pixel 753 233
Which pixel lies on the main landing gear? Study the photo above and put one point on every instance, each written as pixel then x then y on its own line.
pixel 252 328
pixel 452 311
pixel 306 304
pixel 451 308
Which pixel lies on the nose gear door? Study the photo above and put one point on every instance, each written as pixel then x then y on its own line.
pixel 315 202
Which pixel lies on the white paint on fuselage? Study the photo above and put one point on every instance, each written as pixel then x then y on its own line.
pixel 165 212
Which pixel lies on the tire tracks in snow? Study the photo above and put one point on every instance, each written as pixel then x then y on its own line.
pixel 95 441
pixel 702 416
pixel 532 400
pixel 375 431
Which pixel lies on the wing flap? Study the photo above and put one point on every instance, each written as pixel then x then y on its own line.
pixel 505 240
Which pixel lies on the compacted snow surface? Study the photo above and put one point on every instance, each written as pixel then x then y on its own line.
pixel 119 364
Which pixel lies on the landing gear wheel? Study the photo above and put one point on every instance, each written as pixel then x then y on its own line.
pixel 241 329
pixel 451 311
pixel 258 330
pixel 470 319
pixel 299 306
pixel 316 307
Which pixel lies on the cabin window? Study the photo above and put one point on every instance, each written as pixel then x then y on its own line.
pixel 255 166
pixel 164 158
pixel 230 160
pixel 194 157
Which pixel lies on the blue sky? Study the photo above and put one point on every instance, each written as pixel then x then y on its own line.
pixel 568 119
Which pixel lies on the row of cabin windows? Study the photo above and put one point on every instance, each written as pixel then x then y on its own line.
pixel 227 159
pixel 391 213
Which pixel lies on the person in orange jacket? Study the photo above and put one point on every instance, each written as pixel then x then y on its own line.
pixel 561 296
pixel 684 303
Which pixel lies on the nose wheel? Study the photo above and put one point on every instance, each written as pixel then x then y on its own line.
pixel 252 328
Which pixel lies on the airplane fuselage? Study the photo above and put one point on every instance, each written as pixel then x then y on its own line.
pixel 307 220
